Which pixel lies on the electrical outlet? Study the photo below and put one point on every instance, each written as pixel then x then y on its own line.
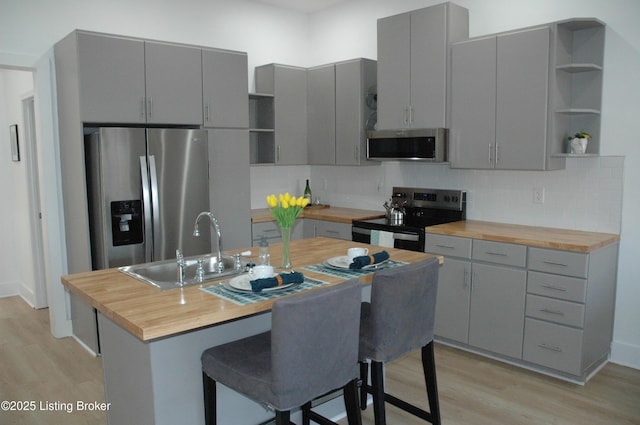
pixel 538 195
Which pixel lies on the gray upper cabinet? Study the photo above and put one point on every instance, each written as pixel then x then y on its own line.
pixel 127 80
pixel 354 79
pixel 413 59
pixel 225 88
pixel 321 113
pixel 288 85
pixel 110 77
pixel 337 112
pixel 173 83
pixel 499 101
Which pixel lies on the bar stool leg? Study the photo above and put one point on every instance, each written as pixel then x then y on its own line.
pixel 377 384
pixel 364 377
pixel 282 417
pixel 429 369
pixel 351 403
pixel 210 413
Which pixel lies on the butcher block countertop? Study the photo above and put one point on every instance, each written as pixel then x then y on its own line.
pixel 339 214
pixel 150 313
pixel 543 237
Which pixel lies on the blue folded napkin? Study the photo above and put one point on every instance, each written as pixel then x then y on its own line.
pixel 258 285
pixel 365 260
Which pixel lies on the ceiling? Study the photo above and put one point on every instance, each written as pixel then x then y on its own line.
pixel 305 6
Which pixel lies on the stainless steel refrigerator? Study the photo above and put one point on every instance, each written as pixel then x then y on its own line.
pixel 145 188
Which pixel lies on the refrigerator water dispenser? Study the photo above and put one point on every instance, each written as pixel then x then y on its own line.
pixel 126 222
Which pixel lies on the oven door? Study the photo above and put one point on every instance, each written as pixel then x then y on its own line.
pixel 412 241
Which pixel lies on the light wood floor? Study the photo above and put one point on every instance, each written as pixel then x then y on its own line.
pixel 34 366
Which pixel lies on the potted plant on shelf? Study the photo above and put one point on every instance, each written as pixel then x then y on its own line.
pixel 578 142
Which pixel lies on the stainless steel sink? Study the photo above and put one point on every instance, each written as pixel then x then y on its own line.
pixel 163 274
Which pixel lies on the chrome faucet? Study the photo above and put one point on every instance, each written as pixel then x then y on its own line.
pixel 216 226
pixel 182 265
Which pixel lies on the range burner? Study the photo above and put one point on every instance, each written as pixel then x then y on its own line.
pixel 423 208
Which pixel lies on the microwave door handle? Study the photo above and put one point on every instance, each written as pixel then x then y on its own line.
pixel 146 208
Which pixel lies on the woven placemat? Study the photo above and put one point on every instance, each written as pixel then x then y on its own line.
pixel 244 298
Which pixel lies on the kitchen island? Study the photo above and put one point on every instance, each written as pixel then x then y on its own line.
pixel 151 340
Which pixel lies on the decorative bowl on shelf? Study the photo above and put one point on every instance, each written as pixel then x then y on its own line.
pixel 578 143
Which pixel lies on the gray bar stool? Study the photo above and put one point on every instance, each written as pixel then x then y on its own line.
pixel 399 319
pixel 312 349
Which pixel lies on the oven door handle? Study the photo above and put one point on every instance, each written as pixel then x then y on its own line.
pixel 406 237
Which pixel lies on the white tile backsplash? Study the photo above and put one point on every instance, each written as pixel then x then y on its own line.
pixel 587 195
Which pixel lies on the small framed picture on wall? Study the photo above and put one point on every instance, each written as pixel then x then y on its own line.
pixel 15 144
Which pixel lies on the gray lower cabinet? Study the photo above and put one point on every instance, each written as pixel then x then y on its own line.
pixel 327 228
pixel 570 307
pixel 499 101
pixel 549 310
pixel 271 231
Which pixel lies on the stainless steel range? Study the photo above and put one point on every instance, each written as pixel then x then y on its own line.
pixel 409 211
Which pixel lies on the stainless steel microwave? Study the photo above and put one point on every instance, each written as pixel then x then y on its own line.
pixel 425 144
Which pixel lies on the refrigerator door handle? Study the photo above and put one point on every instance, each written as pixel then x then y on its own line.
pixel 146 207
pixel 155 204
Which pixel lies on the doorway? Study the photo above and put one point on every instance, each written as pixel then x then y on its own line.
pixel 35 210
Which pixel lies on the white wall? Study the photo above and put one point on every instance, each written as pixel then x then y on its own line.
pixel 273 35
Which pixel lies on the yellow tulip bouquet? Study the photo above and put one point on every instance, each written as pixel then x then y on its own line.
pixel 285 208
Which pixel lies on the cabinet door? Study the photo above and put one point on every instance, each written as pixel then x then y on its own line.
pixel 522 99
pixel 394 59
pixel 290 115
pixel 111 78
pixel 496 317
pixel 452 305
pixel 321 113
pixel 473 101
pixel 428 67
pixel 224 88
pixel 229 176
pixel 173 83
pixel 353 78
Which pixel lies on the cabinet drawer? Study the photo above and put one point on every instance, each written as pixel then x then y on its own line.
pixel 556 286
pixel 269 229
pixel 448 245
pixel 559 262
pixel 558 311
pixel 333 229
pixel 500 253
pixel 554 346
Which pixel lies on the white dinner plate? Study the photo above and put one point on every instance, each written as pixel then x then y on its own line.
pixel 242 283
pixel 342 262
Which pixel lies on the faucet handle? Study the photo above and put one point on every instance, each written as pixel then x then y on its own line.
pixel 179 256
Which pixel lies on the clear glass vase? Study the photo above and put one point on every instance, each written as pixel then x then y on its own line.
pixel 286 238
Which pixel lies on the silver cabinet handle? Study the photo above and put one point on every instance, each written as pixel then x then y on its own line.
pixel 556 312
pixel 143 109
pixel 550 347
pixel 445 246
pixel 277 153
pixel 497 153
pixel 553 288
pixel 206 112
pixel 498 254
pixel 490 152
pixel 552 263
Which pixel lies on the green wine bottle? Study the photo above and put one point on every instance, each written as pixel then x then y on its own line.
pixel 307 192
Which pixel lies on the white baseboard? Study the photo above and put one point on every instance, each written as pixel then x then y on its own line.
pixel 9 289
pixel 625 354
